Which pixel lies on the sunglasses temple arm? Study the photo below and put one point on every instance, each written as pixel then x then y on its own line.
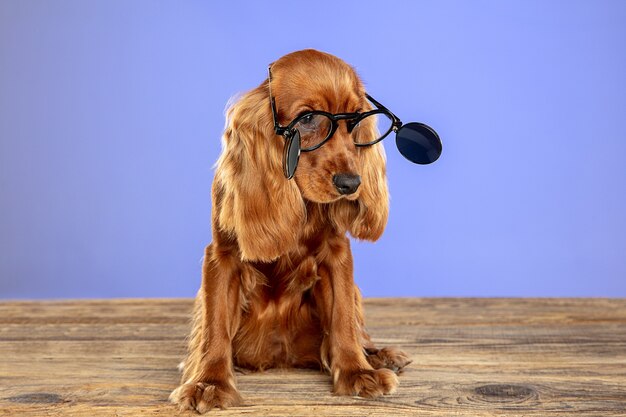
pixel 396 121
pixel 272 102
pixel 277 127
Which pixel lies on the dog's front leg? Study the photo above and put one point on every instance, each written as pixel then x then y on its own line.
pixel 336 294
pixel 208 379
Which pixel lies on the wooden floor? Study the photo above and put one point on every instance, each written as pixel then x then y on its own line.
pixel 472 357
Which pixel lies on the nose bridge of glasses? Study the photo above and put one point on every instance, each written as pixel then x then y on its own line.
pixel 333 124
pixel 350 118
pixel 346 116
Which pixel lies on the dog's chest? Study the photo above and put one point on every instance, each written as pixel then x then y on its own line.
pixel 280 325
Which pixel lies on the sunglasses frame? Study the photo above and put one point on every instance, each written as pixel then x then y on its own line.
pixel 290 133
pixel 353 118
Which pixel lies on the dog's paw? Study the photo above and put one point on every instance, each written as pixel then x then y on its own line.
pixel 369 383
pixel 203 396
pixel 389 357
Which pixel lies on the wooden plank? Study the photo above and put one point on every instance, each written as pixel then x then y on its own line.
pixel 474 357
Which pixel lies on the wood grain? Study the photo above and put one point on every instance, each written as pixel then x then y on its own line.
pixel 472 357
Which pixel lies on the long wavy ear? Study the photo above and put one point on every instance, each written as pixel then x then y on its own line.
pixel 373 202
pixel 366 217
pixel 260 207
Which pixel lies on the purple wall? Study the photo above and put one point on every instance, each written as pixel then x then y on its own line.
pixel 111 114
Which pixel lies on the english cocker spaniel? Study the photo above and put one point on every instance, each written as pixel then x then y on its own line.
pixel 277 283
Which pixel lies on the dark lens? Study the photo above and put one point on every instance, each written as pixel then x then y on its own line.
pixel 418 143
pixel 292 154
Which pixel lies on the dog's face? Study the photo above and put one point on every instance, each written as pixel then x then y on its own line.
pixel 311 80
pixel 268 212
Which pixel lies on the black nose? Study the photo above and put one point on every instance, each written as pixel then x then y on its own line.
pixel 346 183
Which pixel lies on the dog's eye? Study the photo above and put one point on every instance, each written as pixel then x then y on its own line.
pixel 306 120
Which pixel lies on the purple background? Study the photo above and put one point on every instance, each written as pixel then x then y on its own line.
pixel 111 114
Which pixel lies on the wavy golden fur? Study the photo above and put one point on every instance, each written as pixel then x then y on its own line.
pixel 277 286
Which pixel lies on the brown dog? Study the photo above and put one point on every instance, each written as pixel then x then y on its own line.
pixel 277 285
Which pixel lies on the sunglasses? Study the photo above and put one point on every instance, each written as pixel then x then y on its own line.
pixel 417 142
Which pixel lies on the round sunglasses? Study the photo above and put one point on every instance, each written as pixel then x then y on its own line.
pixel 417 142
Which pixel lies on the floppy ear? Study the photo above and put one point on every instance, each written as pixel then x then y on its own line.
pixel 366 217
pixel 372 209
pixel 260 207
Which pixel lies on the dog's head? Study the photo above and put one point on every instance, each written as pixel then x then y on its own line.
pixel 266 211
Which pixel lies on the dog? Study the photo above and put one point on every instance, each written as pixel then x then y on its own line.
pixel 277 280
